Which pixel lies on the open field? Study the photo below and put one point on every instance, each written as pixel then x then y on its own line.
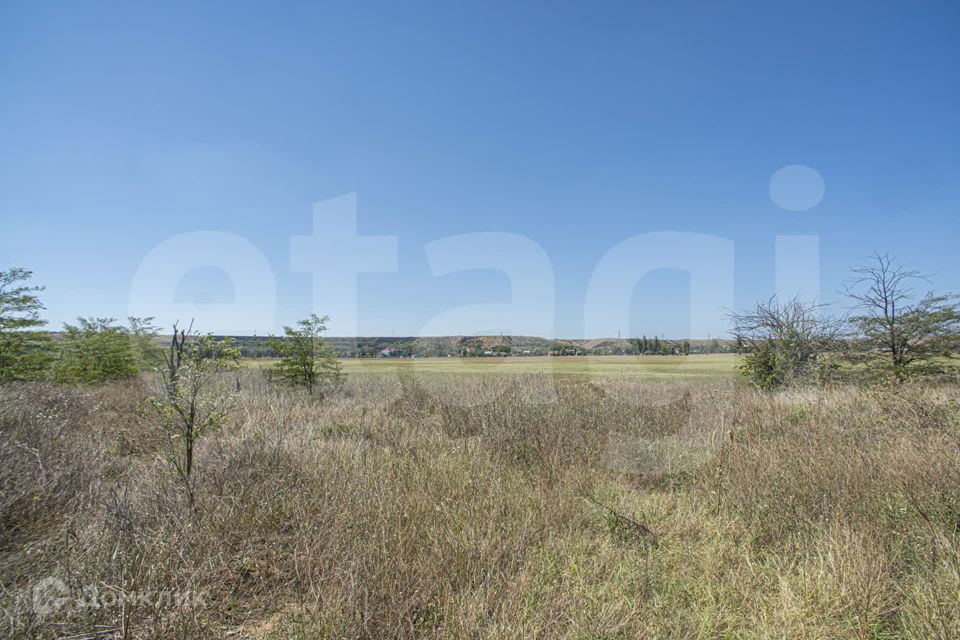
pixel 489 506
pixel 665 367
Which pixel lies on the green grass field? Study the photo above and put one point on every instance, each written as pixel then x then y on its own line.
pixel 706 366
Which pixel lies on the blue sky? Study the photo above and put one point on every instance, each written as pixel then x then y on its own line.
pixel 576 126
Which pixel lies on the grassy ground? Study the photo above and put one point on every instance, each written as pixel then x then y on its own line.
pixel 445 506
pixel 696 366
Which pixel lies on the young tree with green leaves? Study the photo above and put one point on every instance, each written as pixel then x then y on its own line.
pixel 900 334
pixel 144 335
pixel 24 351
pixel 305 359
pixel 193 397
pixel 95 350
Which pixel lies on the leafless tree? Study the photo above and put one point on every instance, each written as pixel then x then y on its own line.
pixel 906 337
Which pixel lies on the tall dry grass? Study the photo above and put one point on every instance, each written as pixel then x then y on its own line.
pixel 488 507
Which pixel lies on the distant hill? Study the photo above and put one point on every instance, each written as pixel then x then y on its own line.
pixel 492 346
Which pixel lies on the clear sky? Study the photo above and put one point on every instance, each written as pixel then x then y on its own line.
pixel 572 131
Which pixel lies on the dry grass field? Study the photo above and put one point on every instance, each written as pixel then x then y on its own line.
pixel 653 504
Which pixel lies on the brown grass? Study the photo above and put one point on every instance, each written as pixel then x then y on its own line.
pixel 489 507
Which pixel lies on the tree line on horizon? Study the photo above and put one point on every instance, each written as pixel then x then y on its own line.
pixel 478 346
pixel 889 330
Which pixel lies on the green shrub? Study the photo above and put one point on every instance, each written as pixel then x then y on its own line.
pixel 143 334
pixel 95 350
pixel 761 367
pixel 24 351
pixel 305 359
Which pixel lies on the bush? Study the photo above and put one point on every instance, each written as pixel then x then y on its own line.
pixel 760 366
pixel 785 341
pixel 95 350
